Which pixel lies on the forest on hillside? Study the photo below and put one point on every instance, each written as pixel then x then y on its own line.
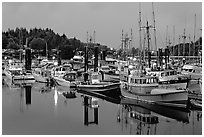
pixel 37 39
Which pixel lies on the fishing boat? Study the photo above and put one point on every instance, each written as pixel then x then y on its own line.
pixel 140 83
pixel 167 97
pixel 61 70
pixel 67 80
pixel 95 85
pixel 43 73
pixel 63 76
pixel 15 71
pixel 192 71
pixel 196 104
pixel 170 78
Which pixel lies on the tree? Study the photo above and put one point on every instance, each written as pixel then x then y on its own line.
pixel 4 41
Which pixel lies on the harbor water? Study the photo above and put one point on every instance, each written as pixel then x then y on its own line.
pixel 40 109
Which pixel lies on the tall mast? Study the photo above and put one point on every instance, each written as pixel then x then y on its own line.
pixel 194 36
pixel 189 45
pixel 173 38
pixel 148 44
pixel 140 42
pixel 184 40
pixel 179 46
pixel 131 38
pixel 94 37
pixel 154 26
pixel 122 40
pixel 167 35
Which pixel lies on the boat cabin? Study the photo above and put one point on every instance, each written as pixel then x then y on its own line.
pixel 143 80
pixel 192 69
pixel 70 76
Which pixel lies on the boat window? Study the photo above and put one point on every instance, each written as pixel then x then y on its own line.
pixel 136 81
pixel 144 81
pixel 171 72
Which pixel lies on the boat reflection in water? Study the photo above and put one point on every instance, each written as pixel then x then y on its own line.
pixel 42 87
pixel 178 114
pixel 139 120
pixel 90 105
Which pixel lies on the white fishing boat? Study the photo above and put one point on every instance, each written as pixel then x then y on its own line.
pixel 170 78
pixel 192 71
pixel 63 75
pixel 42 75
pixel 95 85
pixel 140 83
pixel 167 97
pixel 61 70
pixel 15 71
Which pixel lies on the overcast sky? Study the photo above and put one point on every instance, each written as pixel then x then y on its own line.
pixel 108 19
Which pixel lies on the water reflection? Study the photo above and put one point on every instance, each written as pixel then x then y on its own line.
pixel 170 112
pixel 42 87
pixel 90 106
pixel 139 120
pixel 28 95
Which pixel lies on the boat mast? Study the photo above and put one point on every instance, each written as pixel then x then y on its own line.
pixel 154 26
pixel 148 44
pixel 189 45
pixel 194 36
pixel 184 40
pixel 173 39
pixel 140 51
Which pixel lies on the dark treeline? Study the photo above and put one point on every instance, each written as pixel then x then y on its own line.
pixel 37 39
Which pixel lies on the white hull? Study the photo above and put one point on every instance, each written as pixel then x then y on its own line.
pixel 18 77
pixel 40 78
pixel 176 85
pixel 62 82
pixel 139 88
pixel 175 98
pixel 99 87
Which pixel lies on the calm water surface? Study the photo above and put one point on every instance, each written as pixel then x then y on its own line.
pixel 39 109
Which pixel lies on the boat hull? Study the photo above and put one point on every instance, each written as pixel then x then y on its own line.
pixel 174 99
pixel 62 82
pixel 99 87
pixel 139 88
pixel 40 78
pixel 19 77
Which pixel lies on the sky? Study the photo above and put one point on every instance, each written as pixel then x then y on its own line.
pixel 106 18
